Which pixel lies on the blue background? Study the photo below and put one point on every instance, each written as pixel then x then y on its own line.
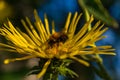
pixel 57 10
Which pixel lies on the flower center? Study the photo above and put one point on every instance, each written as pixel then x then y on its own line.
pixel 57 38
pixel 55 42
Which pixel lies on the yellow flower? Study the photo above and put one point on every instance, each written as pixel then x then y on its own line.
pixel 40 42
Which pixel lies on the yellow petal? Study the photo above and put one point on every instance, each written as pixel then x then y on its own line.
pixel 81 61
pixel 7 61
pixel 44 69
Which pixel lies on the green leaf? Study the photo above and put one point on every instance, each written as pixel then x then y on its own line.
pixel 96 8
pixel 64 71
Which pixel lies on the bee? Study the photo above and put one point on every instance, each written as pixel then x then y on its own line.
pixel 57 37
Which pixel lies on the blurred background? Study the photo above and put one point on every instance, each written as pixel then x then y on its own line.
pixel 56 10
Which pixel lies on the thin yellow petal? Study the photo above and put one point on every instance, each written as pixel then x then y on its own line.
pixel 53 27
pixel 5 45
pixel 81 61
pixel 83 30
pixel 32 28
pixel 44 69
pixel 72 23
pixel 40 27
pixel 47 26
pixel 30 33
pixel 67 22
pixel 7 61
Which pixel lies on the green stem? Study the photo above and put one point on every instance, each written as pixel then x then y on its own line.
pixel 103 71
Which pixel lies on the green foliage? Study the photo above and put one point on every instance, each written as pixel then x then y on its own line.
pixel 57 67
pixel 63 70
pixel 96 8
pixel 101 71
